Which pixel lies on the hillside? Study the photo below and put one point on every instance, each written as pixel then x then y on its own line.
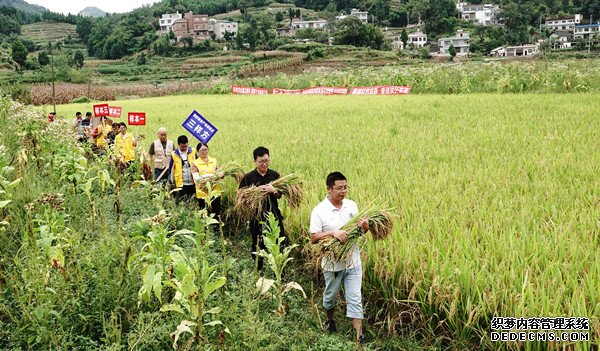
pixel 44 32
pixel 24 6
pixel 92 12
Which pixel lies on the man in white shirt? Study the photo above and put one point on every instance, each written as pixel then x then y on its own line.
pixel 326 220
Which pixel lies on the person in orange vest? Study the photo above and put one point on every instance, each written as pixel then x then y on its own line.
pixel 159 154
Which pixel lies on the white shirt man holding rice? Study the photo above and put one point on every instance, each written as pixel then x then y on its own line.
pixel 326 219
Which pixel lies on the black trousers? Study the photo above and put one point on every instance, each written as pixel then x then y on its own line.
pixel 186 193
pixel 256 229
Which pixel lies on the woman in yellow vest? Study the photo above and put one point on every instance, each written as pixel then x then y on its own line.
pixel 181 169
pixel 125 145
pixel 205 166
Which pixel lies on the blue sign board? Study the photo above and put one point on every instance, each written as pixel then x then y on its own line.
pixel 200 127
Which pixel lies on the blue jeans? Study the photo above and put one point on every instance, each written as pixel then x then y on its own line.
pixel 352 279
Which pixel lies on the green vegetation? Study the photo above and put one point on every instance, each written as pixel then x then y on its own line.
pixel 78 246
pixel 495 196
pixel 42 33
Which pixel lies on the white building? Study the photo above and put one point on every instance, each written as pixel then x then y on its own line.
pixel 167 21
pixel 484 14
pixel 363 16
pixel 297 23
pixel 461 43
pixel 564 23
pixel 220 27
pixel 515 51
pixel 417 39
pixel 583 31
pixel 561 39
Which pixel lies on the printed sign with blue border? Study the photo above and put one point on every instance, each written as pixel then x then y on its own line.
pixel 199 127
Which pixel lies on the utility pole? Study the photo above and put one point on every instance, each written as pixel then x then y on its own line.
pixel 590 36
pixel 53 90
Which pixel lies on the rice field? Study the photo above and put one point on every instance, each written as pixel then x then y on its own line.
pixel 497 197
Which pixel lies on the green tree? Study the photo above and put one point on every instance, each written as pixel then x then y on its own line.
pixel 381 9
pixel 78 59
pixel 439 17
pixel 351 31
pixel 43 58
pixel 404 37
pixel 9 26
pixel 189 41
pixel 19 53
pixel 452 52
pixel 279 16
pixel 141 59
pixel 84 28
pixel 516 18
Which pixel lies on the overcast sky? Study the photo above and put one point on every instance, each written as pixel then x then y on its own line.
pixel 74 6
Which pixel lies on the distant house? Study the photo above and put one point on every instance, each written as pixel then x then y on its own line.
pixel 220 27
pixel 418 39
pixel 363 16
pixel 515 51
pixel 561 39
pixel 298 23
pixel 498 52
pixel 195 26
pixel 583 31
pixel 484 14
pixel 461 43
pixel 563 23
pixel 167 21
pixel 286 32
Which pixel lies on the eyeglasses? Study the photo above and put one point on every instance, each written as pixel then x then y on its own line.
pixel 340 188
pixel 263 162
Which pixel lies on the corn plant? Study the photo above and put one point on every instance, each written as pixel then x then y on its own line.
pixel 156 259
pixel 195 279
pixel 277 260
pixel 5 194
pixel 71 166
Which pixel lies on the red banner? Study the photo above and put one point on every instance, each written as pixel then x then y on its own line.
pixel 287 91
pixel 325 91
pixel 114 111
pixel 381 90
pixel 100 110
pixel 248 90
pixel 136 118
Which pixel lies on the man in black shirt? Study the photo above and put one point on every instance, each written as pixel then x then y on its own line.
pixel 261 176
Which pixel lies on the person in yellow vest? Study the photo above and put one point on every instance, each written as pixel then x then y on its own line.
pixel 160 154
pixel 181 169
pixel 125 145
pixel 206 166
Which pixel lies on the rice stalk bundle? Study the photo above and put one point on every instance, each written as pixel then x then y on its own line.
pixel 380 227
pixel 230 169
pixel 250 201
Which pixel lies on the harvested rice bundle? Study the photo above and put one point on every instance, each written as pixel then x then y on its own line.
pixel 230 169
pixel 250 201
pixel 380 227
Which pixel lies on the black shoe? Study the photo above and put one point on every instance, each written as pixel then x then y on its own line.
pixel 330 326
pixel 362 340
